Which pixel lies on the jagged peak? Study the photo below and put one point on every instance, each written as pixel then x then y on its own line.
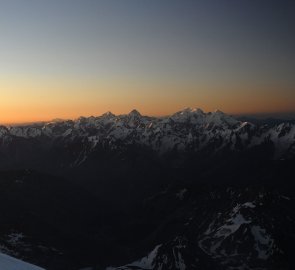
pixel 81 119
pixel 108 114
pixel 188 110
pixel 3 127
pixel 219 118
pixel 219 112
pixel 57 120
pixel 199 111
pixel 134 112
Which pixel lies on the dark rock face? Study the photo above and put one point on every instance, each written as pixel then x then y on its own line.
pixel 223 225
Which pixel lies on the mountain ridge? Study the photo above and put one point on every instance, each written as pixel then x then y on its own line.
pixel 186 130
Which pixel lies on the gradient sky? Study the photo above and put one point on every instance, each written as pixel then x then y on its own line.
pixel 66 58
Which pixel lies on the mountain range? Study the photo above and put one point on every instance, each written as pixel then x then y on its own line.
pixel 187 131
pixel 192 190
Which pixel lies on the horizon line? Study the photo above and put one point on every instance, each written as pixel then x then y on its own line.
pixel 259 115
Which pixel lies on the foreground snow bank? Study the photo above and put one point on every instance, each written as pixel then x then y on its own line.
pixel 10 263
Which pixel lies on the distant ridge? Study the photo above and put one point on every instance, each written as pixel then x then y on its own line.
pixel 190 129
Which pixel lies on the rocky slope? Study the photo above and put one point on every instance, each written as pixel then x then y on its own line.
pixel 187 131
pixel 223 226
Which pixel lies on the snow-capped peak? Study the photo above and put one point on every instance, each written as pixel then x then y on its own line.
pixel 189 110
pixel 219 118
pixel 182 130
pixel 108 114
pixel 134 113
pixel 219 112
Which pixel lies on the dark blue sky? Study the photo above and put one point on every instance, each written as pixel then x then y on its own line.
pixel 222 53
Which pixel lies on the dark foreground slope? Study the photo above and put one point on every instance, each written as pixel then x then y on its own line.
pixel 238 214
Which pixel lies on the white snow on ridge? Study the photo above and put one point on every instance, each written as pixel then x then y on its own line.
pixel 221 233
pixel 148 261
pixel 10 263
pixel 144 263
pixel 189 129
pixel 249 204
pixel 263 242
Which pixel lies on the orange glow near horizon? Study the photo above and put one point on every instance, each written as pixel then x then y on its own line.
pixel 65 59
pixel 29 101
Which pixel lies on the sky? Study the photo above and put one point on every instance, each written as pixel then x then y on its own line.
pixel 67 58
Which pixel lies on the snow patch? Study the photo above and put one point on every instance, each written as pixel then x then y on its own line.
pixel 263 242
pixel 145 263
pixel 10 263
pixel 181 193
